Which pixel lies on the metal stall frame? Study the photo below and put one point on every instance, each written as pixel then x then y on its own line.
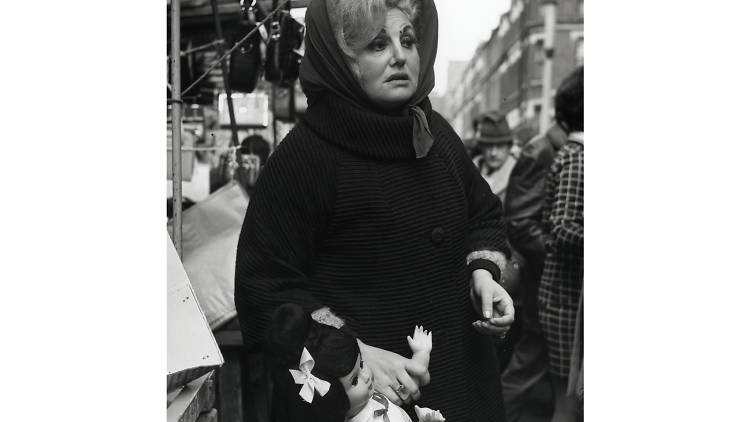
pixel 178 92
pixel 176 130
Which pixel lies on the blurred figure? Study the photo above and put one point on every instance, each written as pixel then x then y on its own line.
pixel 526 385
pixel 562 279
pixel 495 141
pixel 245 167
pixel 252 157
pixel 525 134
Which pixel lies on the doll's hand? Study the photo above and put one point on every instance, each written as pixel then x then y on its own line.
pixel 492 302
pixel 421 341
pixel 421 346
pixel 425 414
pixel 391 370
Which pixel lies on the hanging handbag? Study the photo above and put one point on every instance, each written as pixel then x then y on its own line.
pixel 283 56
pixel 245 61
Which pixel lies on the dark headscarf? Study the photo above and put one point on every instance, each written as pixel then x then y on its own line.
pixel 325 70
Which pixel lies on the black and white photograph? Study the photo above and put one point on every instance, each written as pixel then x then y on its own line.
pixel 373 211
pixel 376 212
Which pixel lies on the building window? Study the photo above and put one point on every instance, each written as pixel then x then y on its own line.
pixel 579 51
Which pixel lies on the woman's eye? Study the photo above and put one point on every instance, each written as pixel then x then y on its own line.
pixel 407 41
pixel 378 45
pixel 355 380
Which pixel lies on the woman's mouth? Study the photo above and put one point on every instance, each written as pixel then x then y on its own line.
pixel 397 77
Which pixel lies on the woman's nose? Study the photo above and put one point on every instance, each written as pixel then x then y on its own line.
pixel 398 58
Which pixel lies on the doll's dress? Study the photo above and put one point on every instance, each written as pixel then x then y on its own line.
pixel 373 411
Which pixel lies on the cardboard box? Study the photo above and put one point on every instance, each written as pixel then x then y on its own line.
pixel 210 232
pixel 191 348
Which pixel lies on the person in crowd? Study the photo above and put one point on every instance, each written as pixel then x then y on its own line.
pixel 371 216
pixel 244 166
pixel 526 385
pixel 495 141
pixel 253 154
pixel 523 135
pixel 562 278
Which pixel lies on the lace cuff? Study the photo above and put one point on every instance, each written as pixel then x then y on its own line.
pixel 495 257
pixel 326 317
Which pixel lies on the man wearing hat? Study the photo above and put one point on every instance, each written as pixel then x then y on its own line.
pixel 495 141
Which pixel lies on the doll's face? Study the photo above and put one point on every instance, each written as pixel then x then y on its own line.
pixel 358 385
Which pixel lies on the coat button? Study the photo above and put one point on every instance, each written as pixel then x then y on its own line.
pixel 438 235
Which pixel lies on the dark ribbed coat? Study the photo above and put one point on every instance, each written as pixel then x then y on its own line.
pixel 344 216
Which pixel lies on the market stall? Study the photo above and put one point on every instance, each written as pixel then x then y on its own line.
pixel 232 77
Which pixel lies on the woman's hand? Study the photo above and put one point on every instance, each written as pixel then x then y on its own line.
pixel 391 370
pixel 492 302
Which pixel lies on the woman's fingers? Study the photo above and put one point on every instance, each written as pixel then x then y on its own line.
pixel 406 389
pixel 503 311
pixel 391 370
pixel 391 394
pixel 488 328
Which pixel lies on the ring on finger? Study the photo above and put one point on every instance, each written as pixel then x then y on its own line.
pixel 402 392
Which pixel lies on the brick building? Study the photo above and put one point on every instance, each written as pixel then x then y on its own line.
pixel 505 71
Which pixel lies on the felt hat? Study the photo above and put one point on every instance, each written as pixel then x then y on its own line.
pixel 492 128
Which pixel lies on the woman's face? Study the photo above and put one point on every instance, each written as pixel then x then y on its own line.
pixel 388 67
pixel 358 385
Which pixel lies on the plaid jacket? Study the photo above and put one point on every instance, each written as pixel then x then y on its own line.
pixel 563 219
pixel 562 279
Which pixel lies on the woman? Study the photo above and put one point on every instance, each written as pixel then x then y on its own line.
pixel 371 216
pixel 562 279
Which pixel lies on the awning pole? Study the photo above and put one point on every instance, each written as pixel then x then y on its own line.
pixel 176 131
pixel 225 72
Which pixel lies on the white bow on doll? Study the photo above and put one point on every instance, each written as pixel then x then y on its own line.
pixel 309 381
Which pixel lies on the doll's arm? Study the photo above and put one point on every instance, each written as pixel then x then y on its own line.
pixel 425 414
pixel 421 345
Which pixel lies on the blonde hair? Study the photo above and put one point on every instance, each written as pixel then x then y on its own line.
pixel 355 23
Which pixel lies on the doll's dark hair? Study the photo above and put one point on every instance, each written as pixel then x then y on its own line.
pixel 335 353
pixel 569 102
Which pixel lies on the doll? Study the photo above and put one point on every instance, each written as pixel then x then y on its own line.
pixel 319 376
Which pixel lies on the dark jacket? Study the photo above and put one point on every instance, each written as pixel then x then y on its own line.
pixel 524 201
pixel 344 216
